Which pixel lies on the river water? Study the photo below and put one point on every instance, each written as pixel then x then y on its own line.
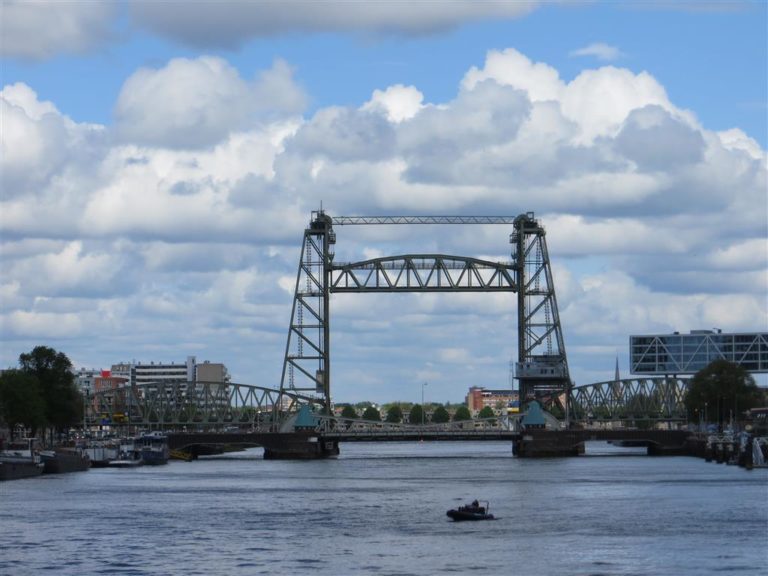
pixel 380 509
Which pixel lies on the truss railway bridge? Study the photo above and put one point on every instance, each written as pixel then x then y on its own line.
pixel 293 420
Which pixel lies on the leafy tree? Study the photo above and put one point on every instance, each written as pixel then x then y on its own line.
pixel 416 415
pixel 462 413
pixel 371 413
pixel 348 412
pixel 720 389
pixel 440 415
pixel 53 371
pixel 20 401
pixel 486 412
pixel 394 413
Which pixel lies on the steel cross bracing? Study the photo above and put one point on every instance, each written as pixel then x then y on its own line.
pixel 213 404
pixel 198 404
pixel 351 428
pixel 358 220
pixel 424 272
pixel 542 368
pixel 656 399
pixel 306 364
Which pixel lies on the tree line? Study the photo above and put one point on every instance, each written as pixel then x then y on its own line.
pixel 416 415
pixel 40 394
pixel 721 391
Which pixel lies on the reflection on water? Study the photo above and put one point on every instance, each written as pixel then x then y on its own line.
pixel 380 509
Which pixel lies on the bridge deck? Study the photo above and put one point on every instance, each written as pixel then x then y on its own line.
pixel 662 437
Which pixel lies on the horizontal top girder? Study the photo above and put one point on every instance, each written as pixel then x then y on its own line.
pixel 423 272
pixel 424 262
pixel 357 220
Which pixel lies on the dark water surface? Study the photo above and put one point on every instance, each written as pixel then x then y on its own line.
pixel 380 509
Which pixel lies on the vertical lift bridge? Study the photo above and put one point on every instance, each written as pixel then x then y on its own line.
pixel 541 368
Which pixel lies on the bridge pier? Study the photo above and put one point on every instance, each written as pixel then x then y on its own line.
pixel 557 443
pixel 547 444
pixel 298 446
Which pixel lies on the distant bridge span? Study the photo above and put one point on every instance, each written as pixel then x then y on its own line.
pixel 214 405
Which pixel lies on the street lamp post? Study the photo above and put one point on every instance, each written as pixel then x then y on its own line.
pixel 706 422
pixel 423 409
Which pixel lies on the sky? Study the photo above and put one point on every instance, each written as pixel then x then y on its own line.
pixel 160 161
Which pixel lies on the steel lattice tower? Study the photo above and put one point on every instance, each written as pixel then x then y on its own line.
pixel 542 366
pixel 306 367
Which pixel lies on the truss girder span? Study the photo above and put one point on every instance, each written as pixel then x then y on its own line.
pixel 423 273
pixel 199 404
pixel 656 399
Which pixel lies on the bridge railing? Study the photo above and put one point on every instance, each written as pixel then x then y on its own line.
pixel 351 426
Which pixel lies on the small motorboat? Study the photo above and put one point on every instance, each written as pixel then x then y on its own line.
pixel 477 510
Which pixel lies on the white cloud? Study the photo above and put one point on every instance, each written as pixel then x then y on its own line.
pixel 599 50
pixel 736 139
pixel 192 222
pixel 511 68
pixel 397 102
pixel 596 101
pixel 28 324
pixel 197 103
pixel 746 255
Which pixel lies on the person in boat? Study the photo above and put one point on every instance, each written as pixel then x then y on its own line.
pixel 474 507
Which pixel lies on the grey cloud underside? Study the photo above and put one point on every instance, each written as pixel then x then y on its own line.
pixel 229 24
pixel 39 30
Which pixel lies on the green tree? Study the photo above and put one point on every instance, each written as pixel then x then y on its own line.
pixel 53 371
pixel 416 416
pixel 20 401
pixel 394 413
pixel 348 412
pixel 720 390
pixel 371 413
pixel 462 413
pixel 487 412
pixel 440 415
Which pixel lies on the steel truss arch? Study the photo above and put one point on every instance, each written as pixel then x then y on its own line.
pixel 423 273
pixel 359 220
pixel 199 404
pixel 653 399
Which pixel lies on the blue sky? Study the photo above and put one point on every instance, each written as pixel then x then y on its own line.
pixel 142 141
pixel 711 58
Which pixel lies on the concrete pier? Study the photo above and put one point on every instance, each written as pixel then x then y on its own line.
pixel 548 444
pixel 299 446
pixel 558 443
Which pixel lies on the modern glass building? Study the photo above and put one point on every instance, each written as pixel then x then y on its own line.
pixel 675 354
